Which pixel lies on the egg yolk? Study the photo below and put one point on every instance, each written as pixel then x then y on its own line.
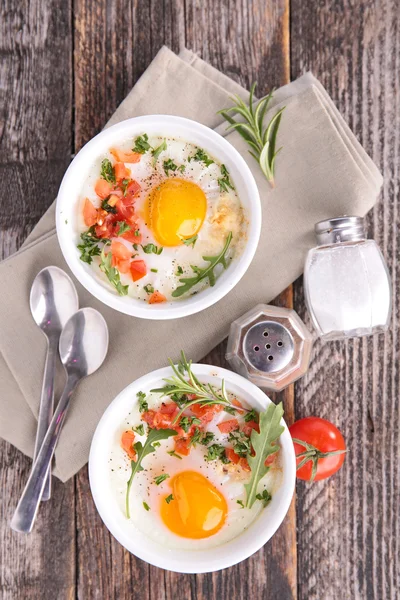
pixel 175 209
pixel 197 510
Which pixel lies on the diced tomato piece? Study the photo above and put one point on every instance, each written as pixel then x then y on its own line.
pixel 132 189
pixel 127 439
pixel 228 426
pixel 120 251
pixel 270 459
pixel 248 427
pixel 125 213
pixel 124 266
pixel 206 413
pixel 131 236
pixel 244 464
pixel 168 408
pixel 125 156
pixel 121 172
pixel 106 229
pixel 89 213
pixel 182 446
pixel 103 188
pixel 138 269
pixel 232 456
pixel 148 417
pixel 157 298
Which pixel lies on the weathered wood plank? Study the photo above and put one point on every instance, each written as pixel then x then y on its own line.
pixel 349 526
pixel 35 148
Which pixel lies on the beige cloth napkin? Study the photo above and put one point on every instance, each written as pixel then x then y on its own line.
pixel 321 172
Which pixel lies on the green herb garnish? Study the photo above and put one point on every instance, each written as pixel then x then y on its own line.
pixel 264 444
pixel 252 415
pixel 143 450
pixel 240 502
pixel 156 444
pixel 143 404
pixel 179 271
pixel 204 273
pixel 148 288
pixel 265 497
pixel 190 241
pixel 110 209
pixel 123 227
pixel 224 182
pixel 168 166
pixel 160 478
pixel 139 429
pixel 182 168
pixel 201 437
pixel 154 270
pixel 262 140
pixel 124 185
pixel 157 151
pixel 169 498
pixel 187 422
pixel 240 442
pixel 146 506
pixel 141 144
pixel 112 273
pixel 89 246
pixel 152 249
pixel 201 156
pixel 107 171
pixel 216 451
pixel 173 453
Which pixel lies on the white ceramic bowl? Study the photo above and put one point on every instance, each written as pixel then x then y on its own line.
pixel 166 126
pixel 184 561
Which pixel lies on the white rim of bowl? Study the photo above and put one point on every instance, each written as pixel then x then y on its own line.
pixel 121 406
pixel 173 309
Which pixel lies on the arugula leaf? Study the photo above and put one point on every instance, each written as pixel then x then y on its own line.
pixel 190 241
pixel 139 429
pixel 143 405
pixel 169 498
pixel 216 451
pixel 141 144
pixel 152 249
pixel 201 156
pixel 110 209
pixel 169 165
pixel 160 478
pixel 123 227
pixel 264 444
pixel 157 151
pixel 143 450
pixel 205 273
pixel 265 497
pixel 107 171
pixel 146 506
pixel 89 246
pixel 225 182
pixel 112 273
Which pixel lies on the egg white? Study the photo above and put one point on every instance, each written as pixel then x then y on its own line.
pixel 224 214
pixel 228 479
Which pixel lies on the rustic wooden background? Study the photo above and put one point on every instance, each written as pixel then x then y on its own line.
pixel 65 66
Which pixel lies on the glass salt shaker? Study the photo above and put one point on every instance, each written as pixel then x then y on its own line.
pixel 346 281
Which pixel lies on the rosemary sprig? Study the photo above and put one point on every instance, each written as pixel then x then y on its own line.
pixel 207 272
pixel 261 139
pixel 184 381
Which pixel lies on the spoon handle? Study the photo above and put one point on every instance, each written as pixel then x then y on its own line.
pixel 46 405
pixel 25 513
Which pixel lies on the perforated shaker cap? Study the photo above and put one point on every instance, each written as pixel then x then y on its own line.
pixel 270 346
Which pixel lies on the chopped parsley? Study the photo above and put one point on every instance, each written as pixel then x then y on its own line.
pixel 182 168
pixel 265 497
pixel 169 165
pixel 240 502
pixel 139 429
pixel 173 453
pixel 216 451
pixel 169 498
pixel 112 273
pixel 179 270
pixel 230 410
pixel 190 241
pixel 148 288
pixel 137 232
pixel 252 415
pixel 110 209
pixel 156 444
pixel 201 437
pixel 201 156
pixel 124 185
pixel 157 151
pixel 152 249
pixel 141 144
pixel 160 478
pixel 187 422
pixel 89 246
pixel 154 270
pixel 143 405
pixel 107 171
pixel 123 227
pixel 146 506
pixel 224 182
pixel 240 442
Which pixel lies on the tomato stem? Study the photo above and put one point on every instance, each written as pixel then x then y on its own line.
pixel 314 455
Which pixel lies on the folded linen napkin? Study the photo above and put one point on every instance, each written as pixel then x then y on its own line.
pixel 321 172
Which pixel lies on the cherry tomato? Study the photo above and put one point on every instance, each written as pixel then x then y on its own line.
pixel 319 446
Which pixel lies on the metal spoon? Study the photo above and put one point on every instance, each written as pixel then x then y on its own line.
pixel 53 301
pixel 83 348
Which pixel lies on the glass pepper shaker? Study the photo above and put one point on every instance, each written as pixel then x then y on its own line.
pixel 346 281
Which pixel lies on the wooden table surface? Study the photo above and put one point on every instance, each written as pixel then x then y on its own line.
pixel 65 66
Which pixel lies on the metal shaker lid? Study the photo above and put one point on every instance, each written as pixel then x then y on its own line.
pixel 270 346
pixel 340 229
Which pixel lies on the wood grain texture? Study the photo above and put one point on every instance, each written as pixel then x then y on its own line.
pixel 35 149
pixel 349 526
